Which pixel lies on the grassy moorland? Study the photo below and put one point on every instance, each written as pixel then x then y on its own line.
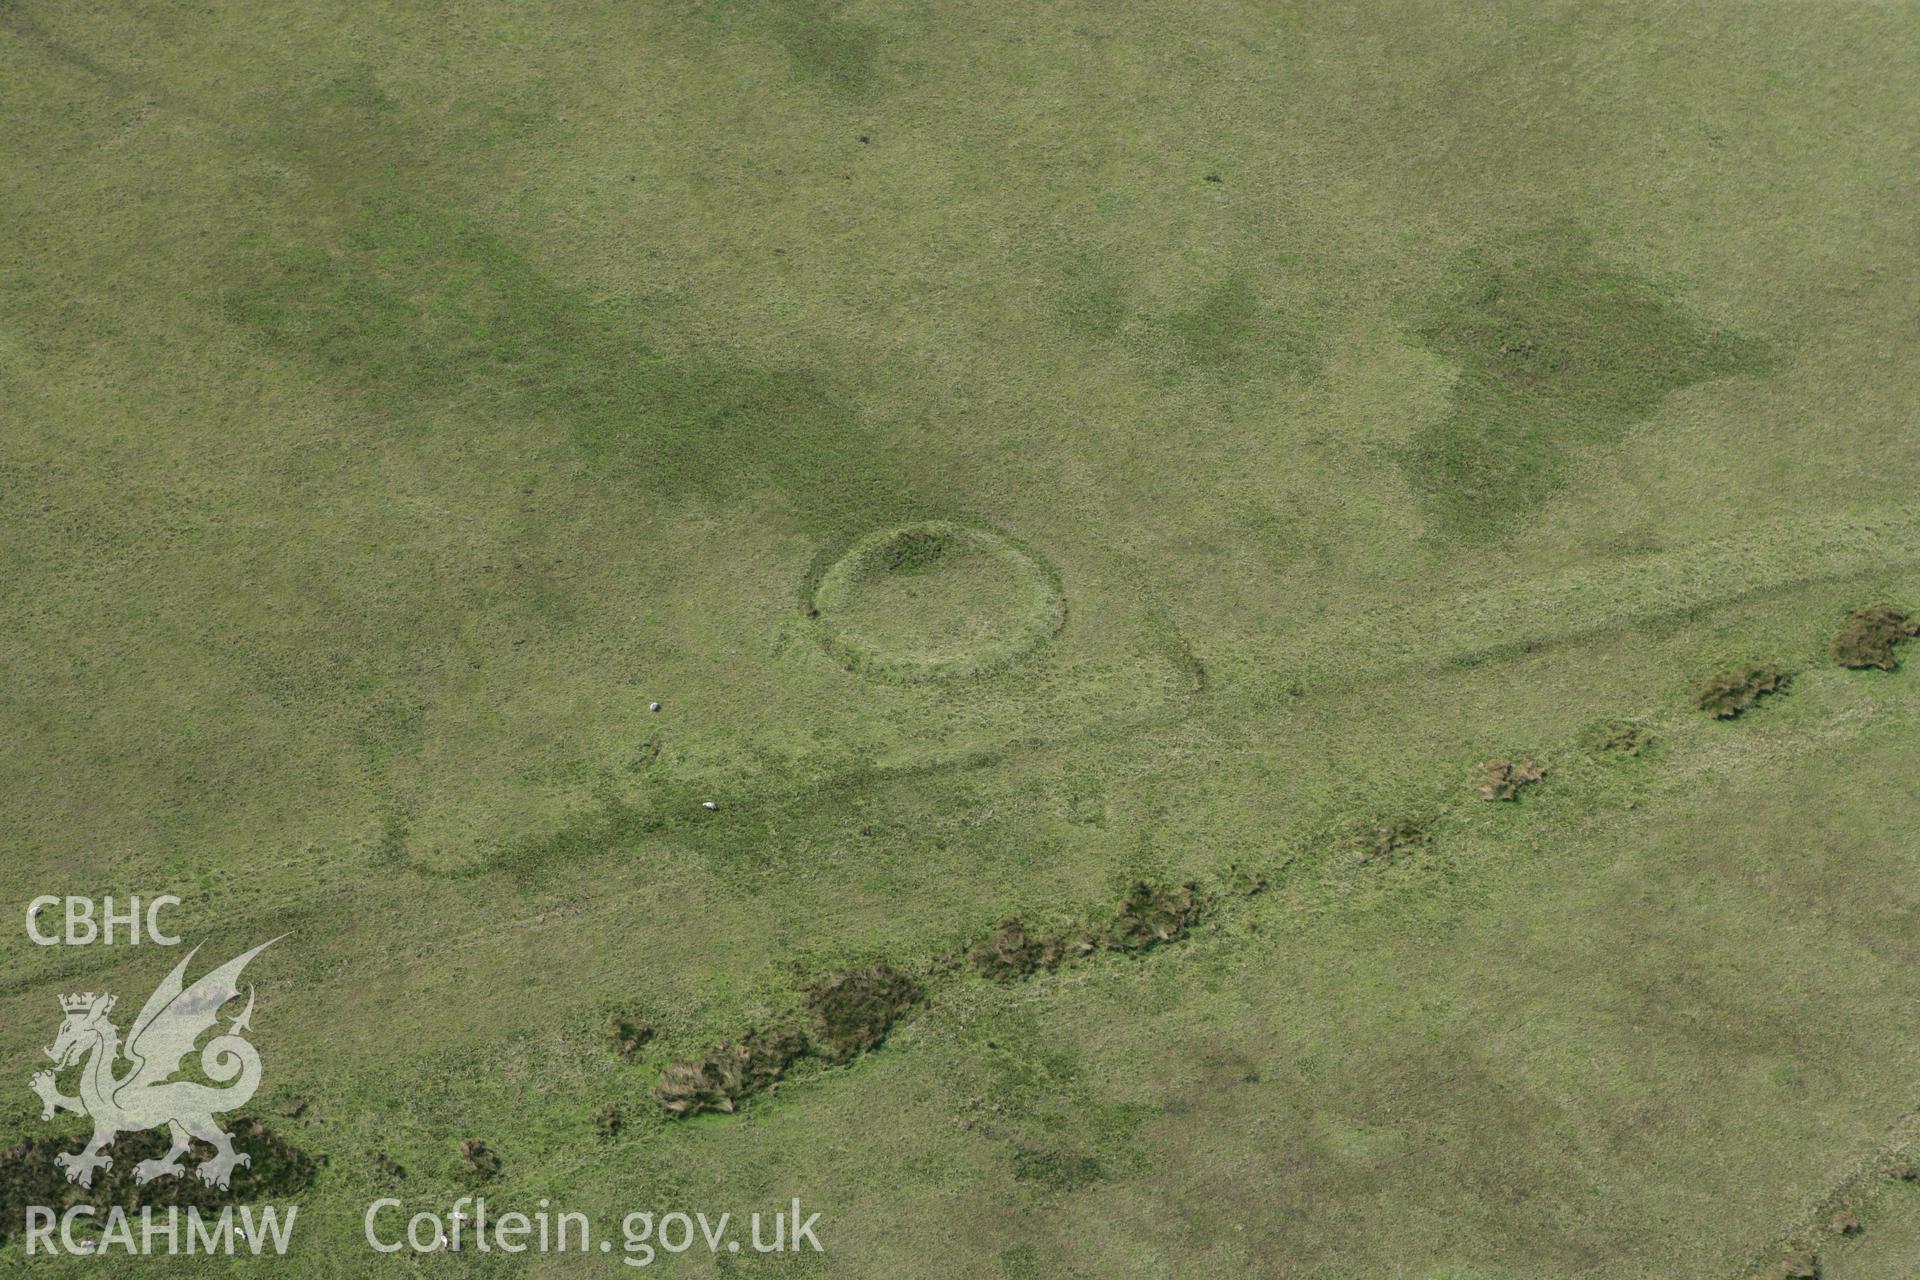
pixel 1025 451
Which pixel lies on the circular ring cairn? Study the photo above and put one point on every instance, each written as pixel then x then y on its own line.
pixel 933 600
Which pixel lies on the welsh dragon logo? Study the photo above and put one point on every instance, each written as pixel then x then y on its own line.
pixel 145 1095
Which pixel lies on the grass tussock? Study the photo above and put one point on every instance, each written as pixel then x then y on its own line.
pixel 1059 1171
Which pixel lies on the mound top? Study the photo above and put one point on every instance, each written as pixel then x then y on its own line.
pixel 935 599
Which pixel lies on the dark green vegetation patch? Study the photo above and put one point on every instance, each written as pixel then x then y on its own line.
pixel 1732 692
pixel 28 1175
pixel 1062 1171
pixel 1557 351
pixel 387 1171
pixel 1147 916
pixel 1011 952
pixel 628 1034
pixel 1619 738
pixel 730 1072
pixel 823 43
pixel 916 550
pixel 1385 841
pixel 1799 1264
pixel 480 1161
pixel 414 310
pixel 1150 915
pixel 1870 638
pixel 1244 881
pixel 852 1012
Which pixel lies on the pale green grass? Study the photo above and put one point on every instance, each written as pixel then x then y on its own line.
pixel 394 402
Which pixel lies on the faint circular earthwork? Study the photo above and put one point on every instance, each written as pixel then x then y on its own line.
pixel 933 600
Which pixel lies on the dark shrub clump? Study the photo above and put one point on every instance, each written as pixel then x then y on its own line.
pixel 730 1072
pixel 628 1035
pixel 1505 779
pixel 387 1171
pixel 853 1012
pixel 1149 916
pixel 1732 692
pixel 1010 953
pixel 1870 637
pixel 28 1175
pixel 1245 881
pixel 479 1160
